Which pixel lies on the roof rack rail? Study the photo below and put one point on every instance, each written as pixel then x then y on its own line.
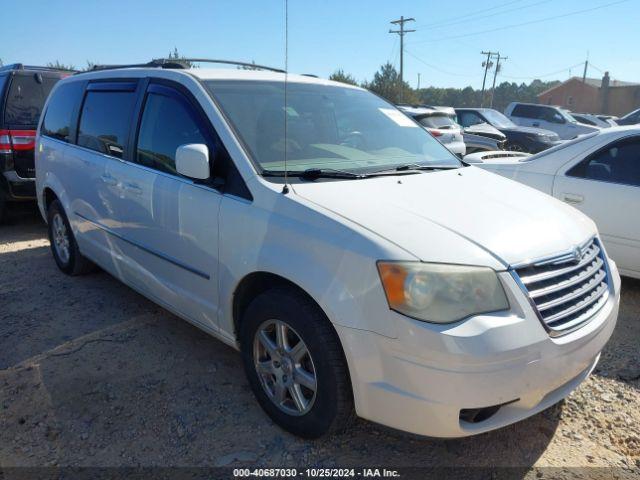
pixel 181 63
pixel 20 66
pixel 184 61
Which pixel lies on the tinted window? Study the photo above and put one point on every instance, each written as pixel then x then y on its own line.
pixel 437 121
pixel 617 163
pixel 3 81
pixel 26 98
pixel 57 119
pixel 469 118
pixel 526 111
pixel 104 121
pixel 550 115
pixel 167 123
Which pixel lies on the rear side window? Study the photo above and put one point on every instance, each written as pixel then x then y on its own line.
pixel 25 99
pixel 526 111
pixel 167 123
pixel 104 121
pixel 58 117
pixel 619 162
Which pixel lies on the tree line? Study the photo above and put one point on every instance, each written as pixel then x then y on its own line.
pixel 386 83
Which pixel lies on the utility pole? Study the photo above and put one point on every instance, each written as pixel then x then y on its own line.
pixel 495 74
pixel 586 65
pixel 402 32
pixel 418 81
pixel 487 65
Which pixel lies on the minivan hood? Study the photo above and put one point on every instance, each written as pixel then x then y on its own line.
pixel 465 216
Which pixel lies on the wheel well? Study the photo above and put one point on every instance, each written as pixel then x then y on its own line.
pixel 49 197
pixel 253 285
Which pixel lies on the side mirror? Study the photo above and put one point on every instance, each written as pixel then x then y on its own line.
pixel 192 160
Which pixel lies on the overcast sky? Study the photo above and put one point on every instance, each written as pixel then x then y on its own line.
pixel 545 39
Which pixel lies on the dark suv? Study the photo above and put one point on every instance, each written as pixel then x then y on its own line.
pixel 23 92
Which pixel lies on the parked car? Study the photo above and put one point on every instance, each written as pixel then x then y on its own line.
pixel 480 143
pixel 501 155
pixel 593 120
pixel 631 118
pixel 547 117
pixel 350 257
pixel 440 123
pixel 23 91
pixel 519 139
pixel 611 119
pixel 598 174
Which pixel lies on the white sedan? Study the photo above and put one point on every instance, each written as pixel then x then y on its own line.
pixel 598 174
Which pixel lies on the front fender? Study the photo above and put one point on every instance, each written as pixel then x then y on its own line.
pixel 330 260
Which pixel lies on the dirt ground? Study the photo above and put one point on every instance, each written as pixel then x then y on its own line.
pixel 93 374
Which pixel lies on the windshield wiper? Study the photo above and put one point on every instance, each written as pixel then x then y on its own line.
pixel 415 166
pixel 314 173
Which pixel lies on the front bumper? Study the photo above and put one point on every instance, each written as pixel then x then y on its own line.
pixel 420 381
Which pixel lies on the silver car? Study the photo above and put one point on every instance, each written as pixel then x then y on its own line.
pixel 439 122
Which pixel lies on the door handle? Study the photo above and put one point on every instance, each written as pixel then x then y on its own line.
pixel 109 179
pixel 572 198
pixel 133 188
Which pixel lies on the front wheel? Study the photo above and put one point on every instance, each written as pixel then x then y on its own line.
pixel 295 364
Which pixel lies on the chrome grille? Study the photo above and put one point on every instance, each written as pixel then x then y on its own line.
pixel 567 290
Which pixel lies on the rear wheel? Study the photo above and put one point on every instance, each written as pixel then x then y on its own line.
pixel 63 244
pixel 295 364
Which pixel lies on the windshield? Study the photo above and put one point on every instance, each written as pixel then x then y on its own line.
pixel 328 127
pixel 497 119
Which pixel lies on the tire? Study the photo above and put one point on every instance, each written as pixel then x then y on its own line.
pixel 63 244
pixel 329 409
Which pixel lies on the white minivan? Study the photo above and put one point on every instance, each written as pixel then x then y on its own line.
pixel 548 117
pixel 358 265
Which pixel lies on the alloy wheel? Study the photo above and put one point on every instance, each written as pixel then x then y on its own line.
pixel 285 367
pixel 61 238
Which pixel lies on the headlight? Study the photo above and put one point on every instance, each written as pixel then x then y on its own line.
pixel 441 293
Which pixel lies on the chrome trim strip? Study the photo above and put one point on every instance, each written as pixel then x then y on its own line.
pixel 568 283
pixel 152 251
pixel 561 271
pixel 595 295
pixel 587 287
pixel 550 258
pixel 600 300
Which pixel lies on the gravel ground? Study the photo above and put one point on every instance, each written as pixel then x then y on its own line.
pixel 93 374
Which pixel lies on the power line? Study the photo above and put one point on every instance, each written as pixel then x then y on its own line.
pixel 438 69
pixel 546 74
pixel 477 12
pixel 402 32
pixel 531 22
pixel 522 7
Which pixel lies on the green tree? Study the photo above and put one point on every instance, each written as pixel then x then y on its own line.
pixel 340 76
pixel 61 66
pixel 386 83
pixel 180 58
